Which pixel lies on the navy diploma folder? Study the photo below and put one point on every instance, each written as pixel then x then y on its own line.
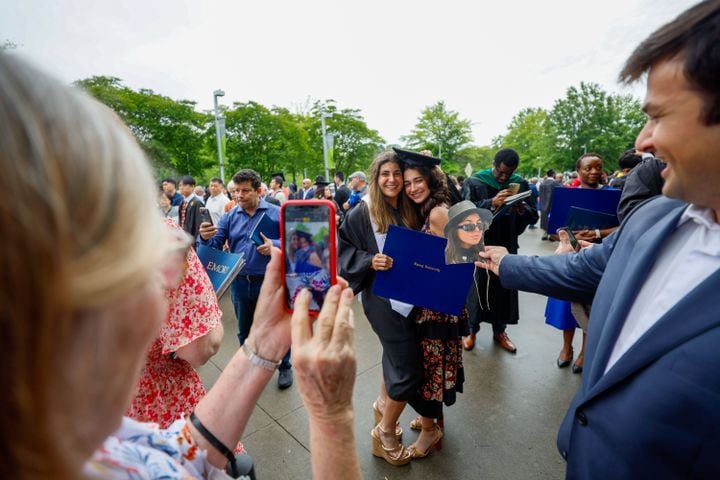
pixel 269 227
pixel 419 275
pixel 582 218
pixel 221 267
pixel 602 201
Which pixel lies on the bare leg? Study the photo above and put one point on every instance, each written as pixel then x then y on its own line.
pixel 383 397
pixel 428 440
pixel 390 414
pixel 581 357
pixel 567 348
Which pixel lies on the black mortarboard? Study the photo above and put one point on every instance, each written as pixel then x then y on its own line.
pixel 414 159
pixel 320 180
pixel 278 174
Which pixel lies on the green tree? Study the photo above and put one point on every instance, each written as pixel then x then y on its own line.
pixel 589 119
pixel 531 134
pixel 441 131
pixel 266 140
pixel 479 158
pixel 172 132
pixel 354 143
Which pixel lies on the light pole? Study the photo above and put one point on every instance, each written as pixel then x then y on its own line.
pixel 323 116
pixel 219 131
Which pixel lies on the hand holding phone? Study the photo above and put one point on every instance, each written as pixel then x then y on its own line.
pixel 571 240
pixel 307 234
pixel 205 216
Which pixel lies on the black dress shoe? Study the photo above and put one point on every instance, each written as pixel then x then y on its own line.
pixel 564 363
pixel 577 368
pixel 285 379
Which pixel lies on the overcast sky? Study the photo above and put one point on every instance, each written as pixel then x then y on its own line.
pixel 390 59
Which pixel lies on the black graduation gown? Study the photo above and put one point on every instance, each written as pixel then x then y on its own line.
pixel 496 304
pixel 192 220
pixel 401 362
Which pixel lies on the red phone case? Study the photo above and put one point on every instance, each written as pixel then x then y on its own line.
pixel 332 241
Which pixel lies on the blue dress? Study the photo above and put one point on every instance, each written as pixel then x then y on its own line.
pixel 558 314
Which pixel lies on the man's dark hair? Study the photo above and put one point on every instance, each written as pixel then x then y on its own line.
pixel 340 175
pixel 629 159
pixel 170 180
pixel 694 39
pixel 216 180
pixel 508 157
pixel 460 178
pixel 278 179
pixel 187 180
pixel 550 173
pixel 247 175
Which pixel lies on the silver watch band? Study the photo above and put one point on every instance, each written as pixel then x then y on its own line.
pixel 258 361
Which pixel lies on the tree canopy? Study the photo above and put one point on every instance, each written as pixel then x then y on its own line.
pixel 586 119
pixel 172 133
pixel 443 132
pixel 180 140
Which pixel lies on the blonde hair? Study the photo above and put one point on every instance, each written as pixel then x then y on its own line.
pixel 79 232
pixel 380 210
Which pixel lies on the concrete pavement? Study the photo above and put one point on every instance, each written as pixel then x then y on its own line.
pixel 502 427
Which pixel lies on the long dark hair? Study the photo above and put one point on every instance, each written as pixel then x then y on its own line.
pixel 437 183
pixel 380 211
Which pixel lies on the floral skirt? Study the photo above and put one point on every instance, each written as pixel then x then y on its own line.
pixel 441 349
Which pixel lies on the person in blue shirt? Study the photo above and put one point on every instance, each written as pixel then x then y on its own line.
pixel 236 228
pixel 169 186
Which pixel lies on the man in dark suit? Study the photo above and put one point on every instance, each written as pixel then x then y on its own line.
pixel 307 192
pixel 342 192
pixel 190 218
pixel 544 195
pixel 648 404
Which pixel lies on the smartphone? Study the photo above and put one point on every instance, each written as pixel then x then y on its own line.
pixel 205 215
pixel 573 241
pixel 307 235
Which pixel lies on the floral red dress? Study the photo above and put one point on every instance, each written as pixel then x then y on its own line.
pixel 440 336
pixel 169 388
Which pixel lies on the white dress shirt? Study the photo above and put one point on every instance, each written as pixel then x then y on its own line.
pixel 690 256
pixel 216 206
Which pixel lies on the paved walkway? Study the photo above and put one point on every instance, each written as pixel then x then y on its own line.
pixel 502 427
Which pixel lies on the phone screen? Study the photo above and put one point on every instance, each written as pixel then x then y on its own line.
pixel 308 236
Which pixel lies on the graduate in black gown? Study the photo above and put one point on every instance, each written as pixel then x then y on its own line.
pixel 361 239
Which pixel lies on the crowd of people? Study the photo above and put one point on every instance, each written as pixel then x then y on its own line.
pixel 116 301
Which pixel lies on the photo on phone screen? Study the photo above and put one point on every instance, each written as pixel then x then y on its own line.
pixel 309 250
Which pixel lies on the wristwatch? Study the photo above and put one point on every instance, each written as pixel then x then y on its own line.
pixel 258 361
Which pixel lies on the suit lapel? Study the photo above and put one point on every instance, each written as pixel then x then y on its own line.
pixel 640 262
pixel 689 318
